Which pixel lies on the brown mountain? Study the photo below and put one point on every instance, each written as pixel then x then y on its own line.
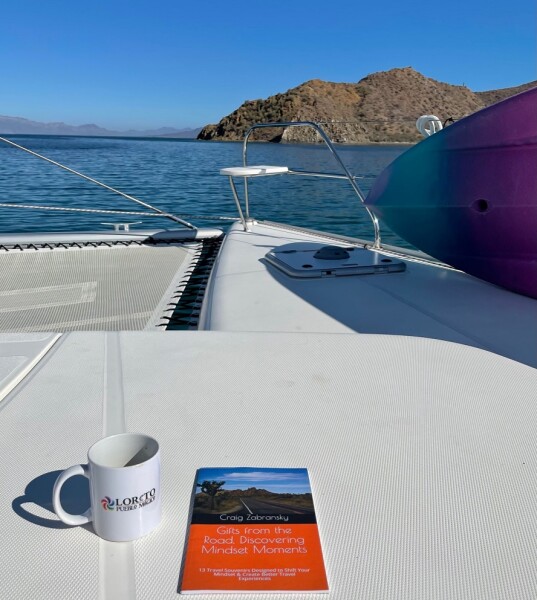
pixel 382 107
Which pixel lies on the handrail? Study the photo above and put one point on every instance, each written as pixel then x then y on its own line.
pixel 332 149
pixel 321 174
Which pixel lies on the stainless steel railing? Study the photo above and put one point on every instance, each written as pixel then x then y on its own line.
pixel 347 175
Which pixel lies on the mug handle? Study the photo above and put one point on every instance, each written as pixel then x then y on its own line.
pixel 58 509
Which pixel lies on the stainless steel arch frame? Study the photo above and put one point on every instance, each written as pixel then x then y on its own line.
pixel 351 179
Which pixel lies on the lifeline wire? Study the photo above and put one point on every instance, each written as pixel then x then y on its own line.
pixel 141 202
pixel 103 211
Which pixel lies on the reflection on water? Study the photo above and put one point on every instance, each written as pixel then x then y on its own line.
pixel 182 177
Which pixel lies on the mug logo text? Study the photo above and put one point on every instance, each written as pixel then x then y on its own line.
pixel 129 503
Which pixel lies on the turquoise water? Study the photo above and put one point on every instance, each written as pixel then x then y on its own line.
pixel 182 177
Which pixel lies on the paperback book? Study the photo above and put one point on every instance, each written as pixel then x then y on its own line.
pixel 253 530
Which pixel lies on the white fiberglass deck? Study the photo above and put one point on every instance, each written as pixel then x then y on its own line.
pixel 421 455
pixel 248 294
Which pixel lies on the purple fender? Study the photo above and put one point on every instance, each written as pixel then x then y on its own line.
pixel 467 195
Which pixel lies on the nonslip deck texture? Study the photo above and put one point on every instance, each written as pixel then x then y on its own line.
pixel 421 456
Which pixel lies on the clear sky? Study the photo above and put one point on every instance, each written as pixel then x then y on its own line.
pixel 146 64
pixel 283 481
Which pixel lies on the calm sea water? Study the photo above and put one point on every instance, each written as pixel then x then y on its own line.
pixel 182 177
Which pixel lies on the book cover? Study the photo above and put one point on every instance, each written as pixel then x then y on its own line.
pixel 253 529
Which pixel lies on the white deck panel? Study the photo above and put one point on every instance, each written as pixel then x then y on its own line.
pixel 421 454
pixel 247 294
pixel 19 353
pixel 45 426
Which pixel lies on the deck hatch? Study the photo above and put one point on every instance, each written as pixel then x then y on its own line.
pixel 318 260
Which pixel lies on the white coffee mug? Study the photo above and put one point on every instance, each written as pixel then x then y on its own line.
pixel 125 493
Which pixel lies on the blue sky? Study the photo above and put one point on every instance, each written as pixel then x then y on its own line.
pixel 144 64
pixel 285 481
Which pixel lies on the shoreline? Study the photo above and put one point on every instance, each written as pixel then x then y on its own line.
pixel 182 139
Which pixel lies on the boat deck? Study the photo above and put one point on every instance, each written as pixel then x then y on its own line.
pixel 421 456
pixel 246 293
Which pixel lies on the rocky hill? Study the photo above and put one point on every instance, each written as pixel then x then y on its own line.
pixel 382 107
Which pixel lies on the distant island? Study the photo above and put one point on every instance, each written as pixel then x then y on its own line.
pixel 19 125
pixel 380 108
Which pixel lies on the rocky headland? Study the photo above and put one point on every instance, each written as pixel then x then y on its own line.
pixel 380 108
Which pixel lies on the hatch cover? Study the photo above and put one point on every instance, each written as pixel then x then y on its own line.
pixel 318 260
